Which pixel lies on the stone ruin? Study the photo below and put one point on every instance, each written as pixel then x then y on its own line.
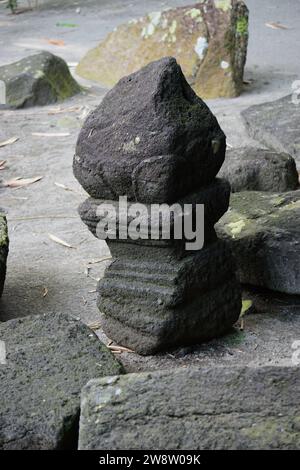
pixel 155 141
pixel 208 39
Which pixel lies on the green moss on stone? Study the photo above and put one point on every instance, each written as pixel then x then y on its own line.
pixel 242 25
pixel 38 80
pixel 234 339
pixel 3 231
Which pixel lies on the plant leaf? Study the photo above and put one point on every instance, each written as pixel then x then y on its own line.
pixel 276 26
pixel 21 182
pixel 10 141
pixel 48 134
pixel 246 305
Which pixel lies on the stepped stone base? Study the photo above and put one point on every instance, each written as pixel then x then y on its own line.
pixel 151 300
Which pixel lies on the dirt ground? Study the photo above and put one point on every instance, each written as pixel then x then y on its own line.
pixel 44 276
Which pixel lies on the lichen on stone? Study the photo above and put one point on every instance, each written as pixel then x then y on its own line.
pixel 195 14
pixel 149 29
pixel 201 47
pixel 224 64
pixel 224 5
pixel 236 227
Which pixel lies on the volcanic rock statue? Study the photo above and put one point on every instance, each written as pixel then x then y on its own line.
pixel 154 141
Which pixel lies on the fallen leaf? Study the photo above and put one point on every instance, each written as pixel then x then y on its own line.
pixel 95 326
pixel 56 42
pixel 48 134
pixel 95 261
pixel 45 291
pixel 62 186
pixel 55 239
pixel 276 26
pixel 67 25
pixel 2 164
pixel 21 182
pixel 10 141
pixel 63 110
pixel 119 349
pixel 66 188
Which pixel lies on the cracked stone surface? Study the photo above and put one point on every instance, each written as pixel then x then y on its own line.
pixel 193 408
pixel 49 358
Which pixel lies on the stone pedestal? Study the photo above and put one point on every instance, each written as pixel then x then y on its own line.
pixel 151 300
pixel 153 140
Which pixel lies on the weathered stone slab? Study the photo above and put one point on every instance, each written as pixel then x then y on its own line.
pixel 209 40
pixel 276 124
pixel 3 250
pixel 37 80
pixel 49 359
pixel 255 169
pixel 151 139
pixel 263 230
pixel 193 409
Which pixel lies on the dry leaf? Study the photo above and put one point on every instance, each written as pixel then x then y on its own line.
pixel 56 42
pixel 276 26
pixel 59 241
pixel 60 185
pixel 63 110
pixel 95 261
pixel 115 348
pixel 45 291
pixel 10 141
pixel 95 326
pixel 21 182
pixel 48 134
